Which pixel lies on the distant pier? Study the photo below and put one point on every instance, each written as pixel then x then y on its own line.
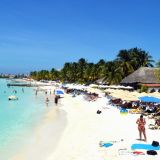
pixel 22 85
pixel 25 85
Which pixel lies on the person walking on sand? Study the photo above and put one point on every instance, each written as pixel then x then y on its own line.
pixel 141 127
pixel 56 99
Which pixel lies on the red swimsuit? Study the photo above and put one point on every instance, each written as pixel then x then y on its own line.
pixel 141 124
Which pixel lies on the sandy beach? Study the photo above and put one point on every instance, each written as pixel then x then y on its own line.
pixel 71 76
pixel 73 130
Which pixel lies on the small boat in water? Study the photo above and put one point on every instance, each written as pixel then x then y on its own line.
pixel 12 98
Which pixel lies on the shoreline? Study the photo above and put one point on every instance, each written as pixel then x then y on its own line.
pixel 45 136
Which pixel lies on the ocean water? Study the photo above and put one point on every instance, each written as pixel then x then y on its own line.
pixel 18 118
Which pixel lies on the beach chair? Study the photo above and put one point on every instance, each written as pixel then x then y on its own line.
pixel 135 111
pixel 156 125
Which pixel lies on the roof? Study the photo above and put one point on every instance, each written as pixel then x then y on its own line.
pixel 142 75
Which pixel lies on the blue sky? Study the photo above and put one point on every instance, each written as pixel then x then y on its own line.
pixel 41 34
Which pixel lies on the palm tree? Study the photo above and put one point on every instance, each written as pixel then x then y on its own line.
pixel 140 58
pixel 124 61
pixel 74 70
pixel 81 69
pixel 54 74
pixel 113 74
pixel 43 74
pixel 33 75
pixel 89 72
pixel 113 71
pixel 65 72
pixel 100 65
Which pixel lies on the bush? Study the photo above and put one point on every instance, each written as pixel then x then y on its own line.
pixel 143 89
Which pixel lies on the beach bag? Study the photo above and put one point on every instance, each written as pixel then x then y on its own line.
pixel 155 143
pixel 151 152
pixel 99 112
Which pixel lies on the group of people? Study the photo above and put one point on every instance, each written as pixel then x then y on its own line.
pixel 55 99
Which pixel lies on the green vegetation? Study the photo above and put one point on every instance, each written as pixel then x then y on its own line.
pixel 157 71
pixel 158 64
pixel 143 89
pixel 126 62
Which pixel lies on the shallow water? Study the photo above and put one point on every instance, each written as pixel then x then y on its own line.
pixel 18 118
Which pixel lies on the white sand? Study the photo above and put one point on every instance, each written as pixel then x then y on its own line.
pixel 130 95
pixel 73 132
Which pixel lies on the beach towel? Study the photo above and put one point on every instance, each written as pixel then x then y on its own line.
pixel 112 141
pixel 138 153
pixel 102 144
pixel 144 146
pixel 107 144
pixel 124 151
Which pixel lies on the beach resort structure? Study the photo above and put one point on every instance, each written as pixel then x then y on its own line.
pixel 144 76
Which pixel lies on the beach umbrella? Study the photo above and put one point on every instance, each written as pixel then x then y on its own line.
pixel 59 92
pixel 150 99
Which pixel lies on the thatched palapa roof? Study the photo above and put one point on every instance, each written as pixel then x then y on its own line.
pixel 142 75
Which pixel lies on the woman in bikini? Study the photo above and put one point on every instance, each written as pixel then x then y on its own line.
pixel 141 127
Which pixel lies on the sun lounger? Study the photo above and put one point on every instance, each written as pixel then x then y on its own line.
pixel 135 111
pixel 155 125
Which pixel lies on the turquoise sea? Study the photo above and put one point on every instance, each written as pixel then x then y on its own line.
pixel 18 118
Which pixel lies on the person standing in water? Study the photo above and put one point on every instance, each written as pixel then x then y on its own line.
pixel 47 101
pixel 36 92
pixel 141 127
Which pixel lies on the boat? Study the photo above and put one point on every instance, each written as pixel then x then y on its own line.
pixel 12 98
